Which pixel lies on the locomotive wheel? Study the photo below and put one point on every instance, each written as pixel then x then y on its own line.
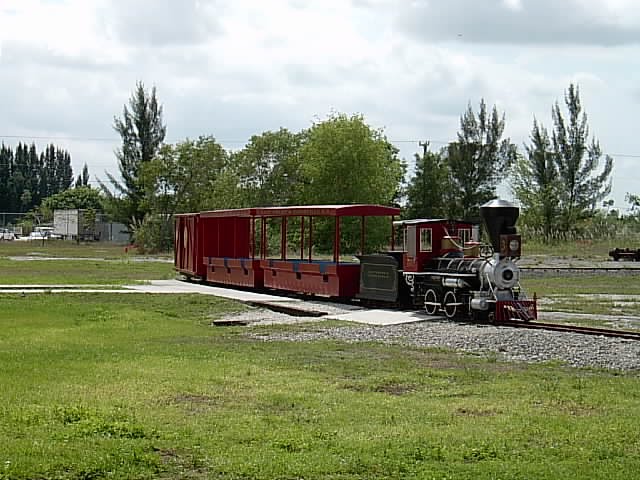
pixel 431 302
pixel 450 304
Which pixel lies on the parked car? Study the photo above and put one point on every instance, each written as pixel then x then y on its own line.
pixel 6 234
pixel 41 233
pixel 48 233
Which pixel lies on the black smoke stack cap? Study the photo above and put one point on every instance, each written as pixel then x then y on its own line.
pixel 499 218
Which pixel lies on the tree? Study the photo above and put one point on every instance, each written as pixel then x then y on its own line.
pixel 344 160
pixel 83 180
pixel 180 178
pixel 142 133
pixel 633 201
pixel 26 177
pixel 82 198
pixel 535 182
pixel 478 160
pixel 577 161
pixel 268 168
pixel 6 165
pixel 427 189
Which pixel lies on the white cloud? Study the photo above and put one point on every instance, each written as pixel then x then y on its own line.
pixel 233 69
pixel 513 4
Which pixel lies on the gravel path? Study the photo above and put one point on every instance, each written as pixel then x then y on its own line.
pixel 503 343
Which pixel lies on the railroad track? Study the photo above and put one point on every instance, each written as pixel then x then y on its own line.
pixel 605 332
pixel 548 269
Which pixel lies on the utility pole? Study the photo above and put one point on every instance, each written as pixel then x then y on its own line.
pixel 425 148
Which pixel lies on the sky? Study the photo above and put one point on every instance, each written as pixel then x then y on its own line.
pixel 233 69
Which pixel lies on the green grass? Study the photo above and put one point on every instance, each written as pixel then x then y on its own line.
pixel 84 264
pixel 140 386
pixel 59 248
pixel 572 294
pixel 585 249
pixel 82 272
pixel 583 284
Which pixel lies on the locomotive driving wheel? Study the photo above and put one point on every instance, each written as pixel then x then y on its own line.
pixel 431 303
pixel 450 304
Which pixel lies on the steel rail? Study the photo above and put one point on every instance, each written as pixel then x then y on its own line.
pixel 605 332
pixel 581 269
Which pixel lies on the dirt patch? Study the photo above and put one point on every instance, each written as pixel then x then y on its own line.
pixel 476 412
pixel 193 404
pixel 397 389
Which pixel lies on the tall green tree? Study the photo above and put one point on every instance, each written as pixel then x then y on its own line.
pixel 142 132
pixel 268 168
pixel 83 179
pixel 344 160
pixel 577 161
pixel 6 165
pixel 535 183
pixel 478 160
pixel 64 178
pixel 427 189
pixel 180 178
pixel 26 177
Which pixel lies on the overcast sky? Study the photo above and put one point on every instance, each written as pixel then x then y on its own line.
pixel 236 68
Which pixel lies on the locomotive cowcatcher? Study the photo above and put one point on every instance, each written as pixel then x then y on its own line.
pixel 441 267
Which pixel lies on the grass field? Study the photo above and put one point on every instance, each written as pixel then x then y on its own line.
pixel 84 264
pixel 81 272
pixel 142 386
pixel 67 249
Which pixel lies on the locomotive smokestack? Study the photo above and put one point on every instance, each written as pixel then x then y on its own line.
pixel 499 218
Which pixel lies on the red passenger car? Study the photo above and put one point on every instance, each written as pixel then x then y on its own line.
pixel 231 247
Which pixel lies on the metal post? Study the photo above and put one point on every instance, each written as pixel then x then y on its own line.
pixel 336 242
pixel 362 235
pixel 283 240
pixel 310 237
pixel 263 238
pixel 252 230
pixel 302 238
pixel 393 233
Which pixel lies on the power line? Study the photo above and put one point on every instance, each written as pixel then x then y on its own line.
pixel 229 141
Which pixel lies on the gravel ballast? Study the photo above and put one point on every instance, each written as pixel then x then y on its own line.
pixel 501 343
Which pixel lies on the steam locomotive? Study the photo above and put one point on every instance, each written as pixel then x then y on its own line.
pixel 445 269
pixel 441 267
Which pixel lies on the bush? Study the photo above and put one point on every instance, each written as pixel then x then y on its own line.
pixel 153 234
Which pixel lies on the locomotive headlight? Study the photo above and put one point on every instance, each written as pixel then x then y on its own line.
pixel 514 245
pixel 507 275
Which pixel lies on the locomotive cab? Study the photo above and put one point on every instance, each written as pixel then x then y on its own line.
pixel 428 239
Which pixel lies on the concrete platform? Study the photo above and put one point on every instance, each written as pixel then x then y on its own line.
pixel 335 311
pixel 328 310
